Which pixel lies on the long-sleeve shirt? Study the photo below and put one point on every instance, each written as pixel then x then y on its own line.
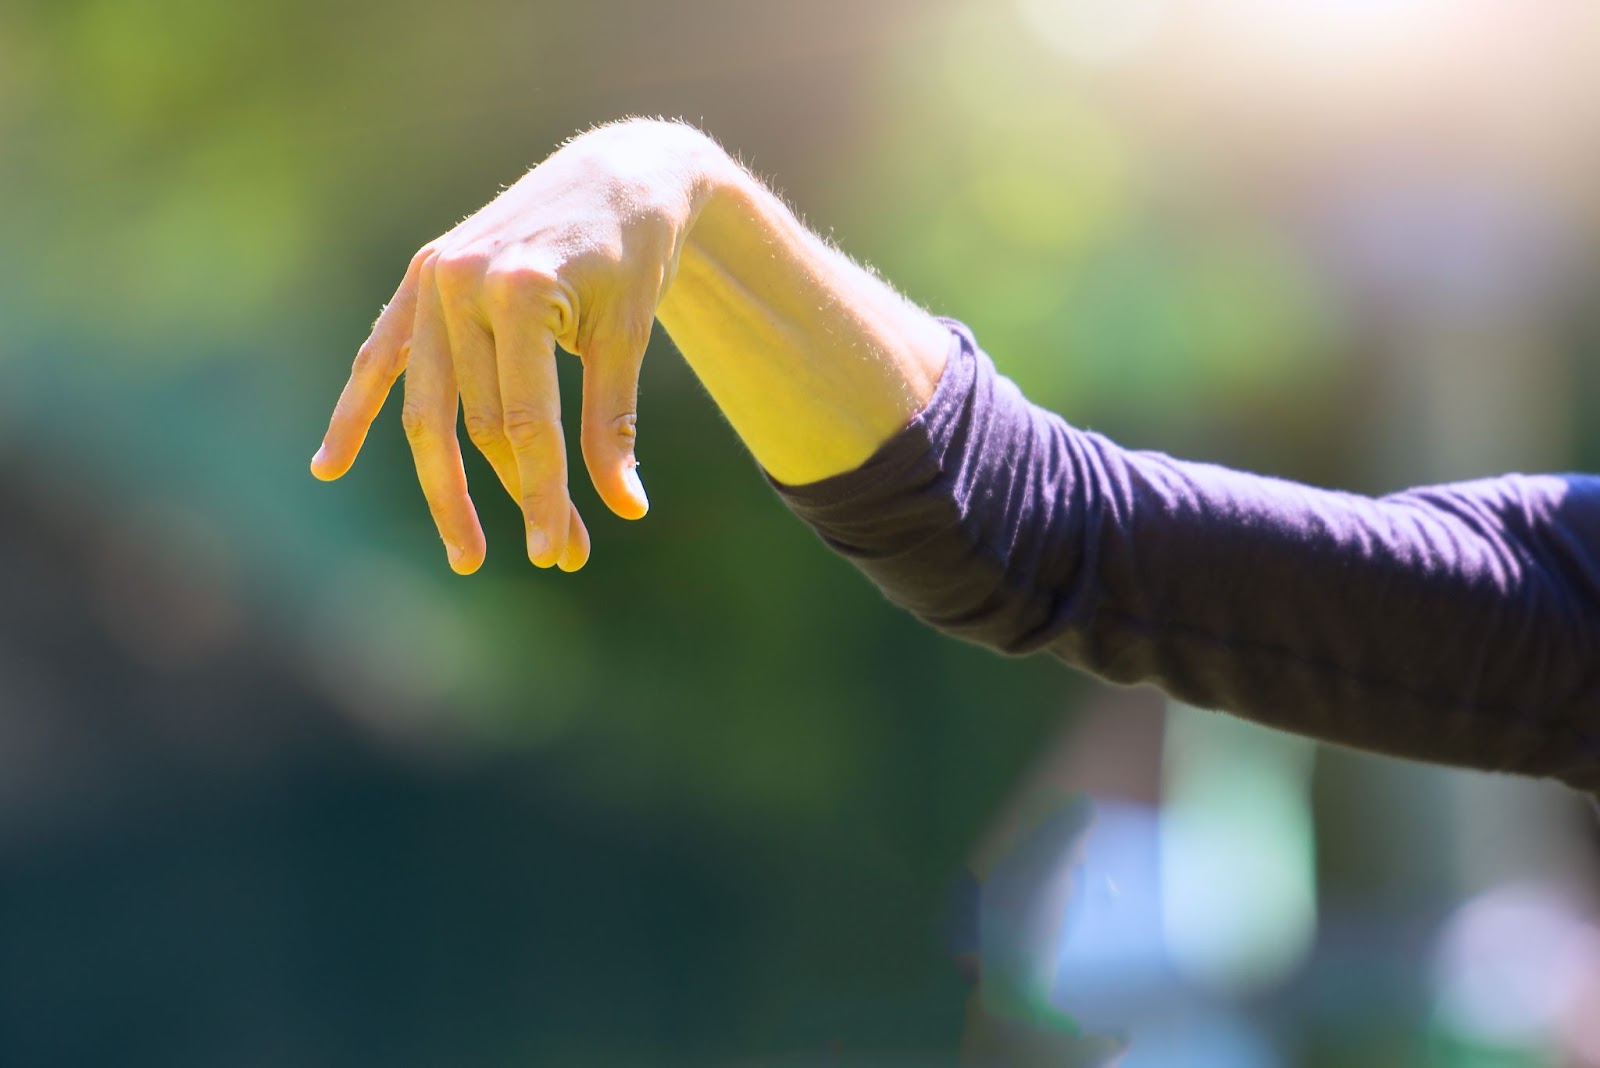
pixel 1458 624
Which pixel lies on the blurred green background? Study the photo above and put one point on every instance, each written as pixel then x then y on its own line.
pixel 277 788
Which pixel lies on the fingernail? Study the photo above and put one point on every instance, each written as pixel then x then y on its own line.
pixel 538 544
pixel 453 551
pixel 322 454
pixel 635 486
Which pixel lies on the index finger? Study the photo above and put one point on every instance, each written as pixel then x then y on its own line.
pixel 378 364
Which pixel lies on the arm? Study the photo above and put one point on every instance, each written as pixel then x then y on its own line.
pixel 1456 624
pixel 1459 624
pixel 813 360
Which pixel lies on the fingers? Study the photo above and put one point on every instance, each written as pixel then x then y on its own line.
pixel 478 380
pixel 610 417
pixel 531 417
pixel 503 376
pixel 429 418
pixel 378 363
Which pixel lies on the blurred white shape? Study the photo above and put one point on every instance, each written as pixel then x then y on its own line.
pixel 1512 966
pixel 1112 952
pixel 1095 32
pixel 1465 71
pixel 1328 25
pixel 1237 859
pixel 1116 971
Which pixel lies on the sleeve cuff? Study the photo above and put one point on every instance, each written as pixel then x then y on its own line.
pixel 912 456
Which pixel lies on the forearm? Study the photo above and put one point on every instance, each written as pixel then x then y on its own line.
pixel 813 360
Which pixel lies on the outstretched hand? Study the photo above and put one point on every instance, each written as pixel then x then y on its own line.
pixel 578 253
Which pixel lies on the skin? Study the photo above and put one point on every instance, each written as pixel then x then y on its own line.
pixel 812 359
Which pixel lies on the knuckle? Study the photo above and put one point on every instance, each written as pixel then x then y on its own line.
pixel 458 271
pixel 415 422
pixel 619 433
pixel 542 503
pixel 427 271
pixel 484 431
pixel 373 359
pixel 515 284
pixel 420 261
pixel 526 428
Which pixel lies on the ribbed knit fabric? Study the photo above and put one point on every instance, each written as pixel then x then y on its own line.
pixel 1458 624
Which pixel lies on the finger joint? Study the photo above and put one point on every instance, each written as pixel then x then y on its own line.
pixel 418 426
pixel 484 431
pixel 618 433
pixel 527 429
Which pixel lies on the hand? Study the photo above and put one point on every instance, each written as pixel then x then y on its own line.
pixel 578 253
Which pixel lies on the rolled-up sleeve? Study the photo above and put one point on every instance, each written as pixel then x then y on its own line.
pixel 1458 624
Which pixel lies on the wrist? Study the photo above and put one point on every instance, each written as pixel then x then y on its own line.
pixel 660 162
pixel 735 254
pixel 720 195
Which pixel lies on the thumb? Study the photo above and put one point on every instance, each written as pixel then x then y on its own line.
pixel 611 415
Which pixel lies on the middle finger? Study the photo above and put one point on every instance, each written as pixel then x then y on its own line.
pixel 472 347
pixel 429 417
pixel 531 412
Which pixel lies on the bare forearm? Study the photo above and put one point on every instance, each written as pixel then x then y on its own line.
pixel 813 360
